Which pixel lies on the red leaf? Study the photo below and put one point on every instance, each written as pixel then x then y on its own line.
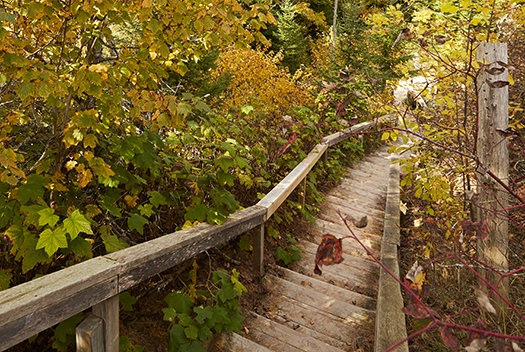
pixel 503 346
pixel 480 325
pixel 329 252
pixel 419 310
pixel 341 108
pixel 478 229
pixel 291 139
pixel 416 310
pixel 431 225
pixel 450 340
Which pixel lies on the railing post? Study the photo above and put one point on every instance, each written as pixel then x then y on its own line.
pixel 108 311
pixel 90 335
pixel 258 251
pixel 302 195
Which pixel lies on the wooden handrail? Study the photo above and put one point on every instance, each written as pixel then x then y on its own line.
pixel 34 306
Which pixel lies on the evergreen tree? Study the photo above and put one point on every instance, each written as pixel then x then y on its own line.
pixel 291 37
pixel 365 52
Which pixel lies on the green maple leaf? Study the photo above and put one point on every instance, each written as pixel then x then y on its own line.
pixel 5 278
pixel 77 223
pixel 32 189
pixel 137 222
pixel 113 243
pixel 47 217
pixel 52 240
pixel 156 198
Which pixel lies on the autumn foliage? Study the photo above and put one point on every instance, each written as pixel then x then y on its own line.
pixel 258 80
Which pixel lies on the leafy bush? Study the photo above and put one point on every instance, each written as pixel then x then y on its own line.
pixel 196 315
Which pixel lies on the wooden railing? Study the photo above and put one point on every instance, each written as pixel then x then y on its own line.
pixel 34 306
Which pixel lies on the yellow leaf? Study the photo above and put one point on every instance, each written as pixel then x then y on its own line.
pixel 70 165
pixel 510 79
pixel 475 21
pixel 90 140
pixel 146 3
pixel 130 201
pixel 99 68
pixel 84 176
pixel 465 3
pixel 99 166
pixel 88 155
pixel 449 8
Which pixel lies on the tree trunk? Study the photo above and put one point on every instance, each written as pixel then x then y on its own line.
pixel 334 29
pixel 493 156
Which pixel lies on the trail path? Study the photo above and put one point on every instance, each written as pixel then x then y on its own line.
pixel 334 311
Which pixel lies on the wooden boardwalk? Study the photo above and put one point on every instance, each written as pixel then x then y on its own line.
pixel 334 311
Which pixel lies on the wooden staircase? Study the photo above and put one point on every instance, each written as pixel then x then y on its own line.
pixel 334 311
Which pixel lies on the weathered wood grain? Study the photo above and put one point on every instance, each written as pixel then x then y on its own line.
pixel 236 343
pixel 390 320
pixel 258 251
pixel 144 260
pixel 338 293
pixel 347 133
pixel 278 337
pixel 312 318
pixel 90 335
pixel 108 311
pixel 34 306
pixel 492 174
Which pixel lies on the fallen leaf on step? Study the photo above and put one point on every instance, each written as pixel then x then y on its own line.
pixel 329 252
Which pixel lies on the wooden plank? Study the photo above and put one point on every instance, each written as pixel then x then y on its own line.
pixel 144 260
pixel 310 317
pixel 338 276
pixel 356 207
pixel 390 320
pixel 108 311
pixel 34 306
pixel 348 132
pixel 278 337
pixel 329 289
pixel 236 343
pixel 258 251
pixel 273 200
pixel 332 223
pixel 308 331
pixel 317 299
pixel 492 174
pixel 90 335
pixel 365 186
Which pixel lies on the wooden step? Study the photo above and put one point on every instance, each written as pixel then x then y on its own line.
pixel 280 338
pixel 342 275
pixel 233 342
pixel 325 224
pixel 369 197
pixel 328 289
pixel 362 204
pixel 314 313
pixel 350 246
